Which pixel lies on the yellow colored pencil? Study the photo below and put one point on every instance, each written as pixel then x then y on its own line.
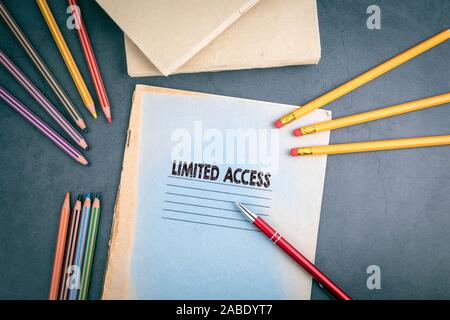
pixel 364 78
pixel 67 56
pixel 374 115
pixel 372 146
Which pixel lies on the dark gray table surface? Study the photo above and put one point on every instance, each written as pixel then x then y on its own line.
pixel 390 209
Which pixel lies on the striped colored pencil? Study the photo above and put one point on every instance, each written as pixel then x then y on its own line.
pixel 67 56
pixel 91 61
pixel 43 69
pixel 59 250
pixel 90 248
pixel 70 248
pixel 42 126
pixel 42 100
pixel 81 245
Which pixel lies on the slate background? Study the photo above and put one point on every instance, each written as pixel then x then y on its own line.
pixel 389 209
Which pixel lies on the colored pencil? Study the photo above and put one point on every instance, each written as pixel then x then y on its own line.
pixel 374 115
pixel 373 146
pixel 70 248
pixel 90 248
pixel 81 245
pixel 42 126
pixel 364 78
pixel 91 61
pixel 42 68
pixel 67 56
pixel 59 250
pixel 42 100
pixel 284 245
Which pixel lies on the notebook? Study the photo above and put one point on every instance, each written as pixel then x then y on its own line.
pixel 170 32
pixel 273 33
pixel 177 233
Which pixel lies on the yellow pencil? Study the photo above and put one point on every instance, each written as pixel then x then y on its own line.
pixel 372 146
pixel 67 56
pixel 364 78
pixel 374 115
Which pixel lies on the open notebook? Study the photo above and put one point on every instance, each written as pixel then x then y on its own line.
pixel 176 232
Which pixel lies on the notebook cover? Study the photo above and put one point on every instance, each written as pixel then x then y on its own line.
pixel 129 252
pixel 170 32
pixel 273 33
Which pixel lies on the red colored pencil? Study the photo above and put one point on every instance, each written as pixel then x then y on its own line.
pixel 277 239
pixel 91 61
pixel 59 250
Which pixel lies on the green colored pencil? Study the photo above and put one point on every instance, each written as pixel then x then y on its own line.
pixel 90 248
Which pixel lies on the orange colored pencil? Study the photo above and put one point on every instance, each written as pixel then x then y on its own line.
pixel 59 250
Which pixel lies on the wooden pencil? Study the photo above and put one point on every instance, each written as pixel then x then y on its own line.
pixel 90 248
pixel 91 60
pixel 44 128
pixel 362 79
pixel 67 56
pixel 374 115
pixel 372 146
pixel 39 97
pixel 42 67
pixel 59 250
pixel 81 247
pixel 70 248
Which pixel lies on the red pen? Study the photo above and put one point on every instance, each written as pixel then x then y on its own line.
pixel 277 239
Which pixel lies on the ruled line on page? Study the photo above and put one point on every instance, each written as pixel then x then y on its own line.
pixel 210 224
pixel 217 191
pixel 204 215
pixel 212 199
pixel 206 207
pixel 221 183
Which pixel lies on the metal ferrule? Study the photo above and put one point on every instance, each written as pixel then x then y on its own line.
pixel 288 118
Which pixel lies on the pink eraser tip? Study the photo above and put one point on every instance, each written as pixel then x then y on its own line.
pixel 294 152
pixel 278 124
pixel 298 132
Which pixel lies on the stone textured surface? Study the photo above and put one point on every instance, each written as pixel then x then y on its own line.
pixel 389 209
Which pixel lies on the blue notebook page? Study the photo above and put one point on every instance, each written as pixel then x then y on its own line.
pixel 199 155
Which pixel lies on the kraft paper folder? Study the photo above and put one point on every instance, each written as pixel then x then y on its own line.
pixel 170 32
pixel 167 239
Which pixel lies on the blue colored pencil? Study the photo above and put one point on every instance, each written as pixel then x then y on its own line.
pixel 81 246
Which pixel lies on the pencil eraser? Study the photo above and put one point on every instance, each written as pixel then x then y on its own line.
pixel 278 124
pixel 294 152
pixel 298 132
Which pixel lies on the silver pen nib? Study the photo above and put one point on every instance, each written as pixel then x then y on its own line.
pixel 246 212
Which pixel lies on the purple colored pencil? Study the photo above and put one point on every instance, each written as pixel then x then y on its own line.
pixel 42 100
pixel 42 126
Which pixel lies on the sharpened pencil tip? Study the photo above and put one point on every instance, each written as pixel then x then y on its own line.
pixel 87 148
pixel 79 197
pixel 109 119
pixel 98 195
pixel 85 130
